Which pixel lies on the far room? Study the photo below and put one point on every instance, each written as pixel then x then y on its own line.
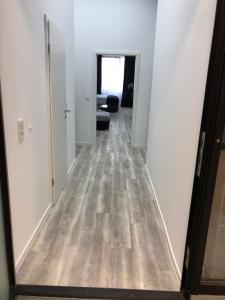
pixel 115 94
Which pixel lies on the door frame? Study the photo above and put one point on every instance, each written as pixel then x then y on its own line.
pixel 114 53
pixel 4 190
pixel 49 106
pixel 47 21
pixel 206 165
pixel 59 291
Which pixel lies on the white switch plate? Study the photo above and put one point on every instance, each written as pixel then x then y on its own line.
pixel 20 130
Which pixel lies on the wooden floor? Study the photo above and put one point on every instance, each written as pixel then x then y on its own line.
pixel 105 231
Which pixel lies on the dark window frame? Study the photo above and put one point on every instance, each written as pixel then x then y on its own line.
pixel 203 189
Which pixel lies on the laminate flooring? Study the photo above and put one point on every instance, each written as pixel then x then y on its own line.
pixel 105 230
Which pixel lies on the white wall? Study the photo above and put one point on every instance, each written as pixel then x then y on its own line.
pixel 127 25
pixel 182 49
pixel 24 89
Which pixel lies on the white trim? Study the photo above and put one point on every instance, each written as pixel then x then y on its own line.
pixel 139 146
pixel 178 273
pixel 71 167
pixel 135 98
pixel 49 108
pixel 31 240
pixel 116 52
pixel 94 97
pixel 83 144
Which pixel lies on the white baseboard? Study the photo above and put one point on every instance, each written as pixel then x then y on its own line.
pixel 71 167
pixel 32 238
pixel 38 227
pixel 83 144
pixel 178 273
pixel 139 147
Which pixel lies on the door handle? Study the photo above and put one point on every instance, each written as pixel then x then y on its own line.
pixel 67 111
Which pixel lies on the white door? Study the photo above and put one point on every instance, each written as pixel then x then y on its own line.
pixel 57 74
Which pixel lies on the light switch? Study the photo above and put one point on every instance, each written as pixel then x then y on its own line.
pixel 20 130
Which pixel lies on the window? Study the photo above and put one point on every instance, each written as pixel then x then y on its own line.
pixel 112 75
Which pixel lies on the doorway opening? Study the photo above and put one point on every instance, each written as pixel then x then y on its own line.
pixel 108 212
pixel 116 89
pixel 107 208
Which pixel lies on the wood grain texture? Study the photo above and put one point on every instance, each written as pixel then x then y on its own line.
pixel 105 231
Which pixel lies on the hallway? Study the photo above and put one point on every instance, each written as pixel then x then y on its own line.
pixel 105 231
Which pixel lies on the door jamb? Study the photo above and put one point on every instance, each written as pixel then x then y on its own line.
pixel 136 54
pixel 6 208
pixel 49 107
pixel 200 204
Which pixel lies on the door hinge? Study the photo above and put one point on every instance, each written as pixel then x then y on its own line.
pixel 49 47
pixel 200 155
pixel 53 182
